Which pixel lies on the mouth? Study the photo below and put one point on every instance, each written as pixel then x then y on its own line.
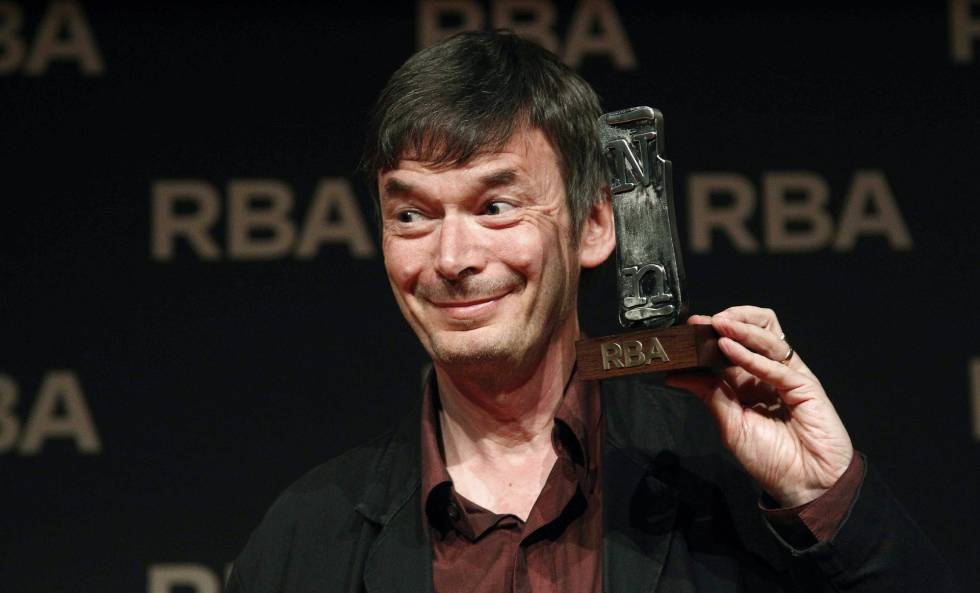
pixel 470 309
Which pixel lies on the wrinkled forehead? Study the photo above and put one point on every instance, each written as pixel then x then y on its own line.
pixel 527 154
pixel 452 146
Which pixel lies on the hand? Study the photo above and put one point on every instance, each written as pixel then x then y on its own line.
pixel 774 416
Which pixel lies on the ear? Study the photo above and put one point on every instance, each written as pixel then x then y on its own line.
pixel 598 236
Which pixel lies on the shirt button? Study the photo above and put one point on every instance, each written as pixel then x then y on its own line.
pixel 452 510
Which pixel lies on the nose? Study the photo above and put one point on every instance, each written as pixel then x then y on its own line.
pixel 459 251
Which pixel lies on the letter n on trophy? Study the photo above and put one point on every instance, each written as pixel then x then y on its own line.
pixel 649 269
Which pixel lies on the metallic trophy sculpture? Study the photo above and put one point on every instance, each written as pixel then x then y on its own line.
pixel 650 274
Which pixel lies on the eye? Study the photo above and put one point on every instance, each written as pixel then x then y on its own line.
pixel 409 216
pixel 493 208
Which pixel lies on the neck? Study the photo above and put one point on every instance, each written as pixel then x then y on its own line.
pixel 497 427
pixel 504 410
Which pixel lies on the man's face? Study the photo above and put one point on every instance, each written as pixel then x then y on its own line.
pixel 480 256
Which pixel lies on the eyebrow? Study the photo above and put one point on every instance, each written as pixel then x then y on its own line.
pixel 499 178
pixel 396 187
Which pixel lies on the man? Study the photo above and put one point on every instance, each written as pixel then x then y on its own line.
pixel 516 475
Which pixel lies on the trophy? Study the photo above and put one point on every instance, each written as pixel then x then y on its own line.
pixel 649 271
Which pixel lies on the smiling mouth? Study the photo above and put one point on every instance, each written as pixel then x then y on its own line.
pixel 469 309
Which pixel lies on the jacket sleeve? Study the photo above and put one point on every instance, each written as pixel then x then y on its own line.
pixel 877 547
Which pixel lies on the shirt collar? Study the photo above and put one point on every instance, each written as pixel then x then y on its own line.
pixel 577 434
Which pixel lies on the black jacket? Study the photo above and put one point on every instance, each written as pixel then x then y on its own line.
pixel 679 516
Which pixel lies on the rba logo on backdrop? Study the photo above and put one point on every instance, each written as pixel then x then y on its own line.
pixel 595 27
pixel 259 220
pixel 795 213
pixel 964 29
pixel 261 223
pixel 63 34
pixel 59 412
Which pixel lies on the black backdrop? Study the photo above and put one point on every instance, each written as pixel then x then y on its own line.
pixel 159 386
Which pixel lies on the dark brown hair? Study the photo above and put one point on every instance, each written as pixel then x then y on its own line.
pixel 467 95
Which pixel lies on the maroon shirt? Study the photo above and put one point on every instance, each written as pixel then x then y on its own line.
pixel 559 547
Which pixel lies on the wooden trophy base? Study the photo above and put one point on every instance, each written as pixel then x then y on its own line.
pixel 649 351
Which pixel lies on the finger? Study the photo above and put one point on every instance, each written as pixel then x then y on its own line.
pixel 699 320
pixel 762 342
pixel 753 337
pixel 784 379
pixel 764 318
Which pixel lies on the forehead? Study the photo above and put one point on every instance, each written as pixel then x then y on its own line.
pixel 526 158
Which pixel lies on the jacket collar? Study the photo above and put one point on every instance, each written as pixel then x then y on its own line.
pixel 397 473
pixel 399 559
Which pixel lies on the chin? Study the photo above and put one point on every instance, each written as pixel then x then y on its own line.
pixel 475 347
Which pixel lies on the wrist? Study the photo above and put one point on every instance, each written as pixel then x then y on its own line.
pixel 797 498
pixel 797 495
pixel 819 519
pixel 801 494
